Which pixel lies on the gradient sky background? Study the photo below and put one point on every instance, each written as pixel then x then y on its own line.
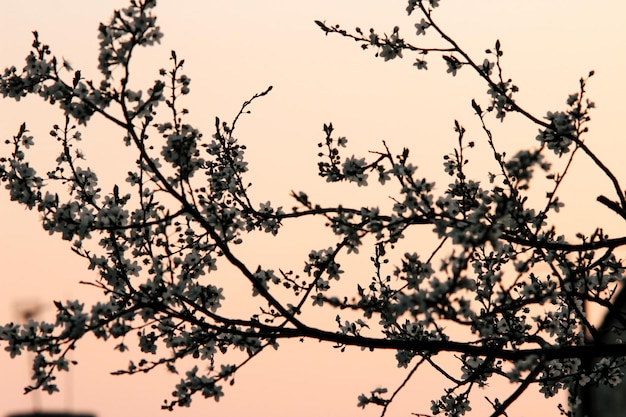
pixel 234 49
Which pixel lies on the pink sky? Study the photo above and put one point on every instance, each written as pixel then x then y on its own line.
pixel 234 49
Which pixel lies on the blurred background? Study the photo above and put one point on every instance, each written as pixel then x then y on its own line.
pixel 235 49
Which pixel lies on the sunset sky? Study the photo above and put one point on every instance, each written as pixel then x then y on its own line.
pixel 235 49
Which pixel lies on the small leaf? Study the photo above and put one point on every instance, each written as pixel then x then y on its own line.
pixel 476 107
pixel 76 78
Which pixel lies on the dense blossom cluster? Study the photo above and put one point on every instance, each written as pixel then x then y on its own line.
pixel 502 290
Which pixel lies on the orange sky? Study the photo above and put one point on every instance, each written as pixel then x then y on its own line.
pixel 234 49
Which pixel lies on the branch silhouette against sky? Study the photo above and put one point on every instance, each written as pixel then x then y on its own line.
pixel 500 293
